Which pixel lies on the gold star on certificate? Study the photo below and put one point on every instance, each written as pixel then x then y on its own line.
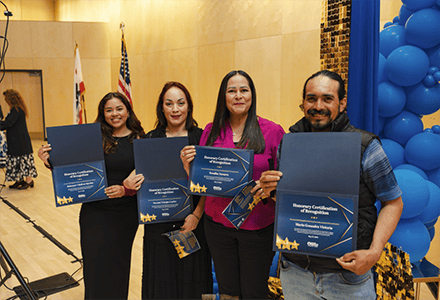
pixel 279 242
pixel 70 199
pixel 147 218
pixel 254 203
pixel 195 188
pixel 203 189
pixel 294 245
pixel 286 244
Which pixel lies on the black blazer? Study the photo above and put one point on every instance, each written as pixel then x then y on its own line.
pixel 17 135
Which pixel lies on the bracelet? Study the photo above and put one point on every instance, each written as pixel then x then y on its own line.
pixel 195 216
pixel 129 192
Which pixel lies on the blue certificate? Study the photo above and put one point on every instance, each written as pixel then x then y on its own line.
pixel 78 163
pixel 220 172
pixel 164 194
pixel 317 196
pixel 241 206
pixel 184 243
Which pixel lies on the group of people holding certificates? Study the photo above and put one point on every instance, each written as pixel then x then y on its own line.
pixel 232 173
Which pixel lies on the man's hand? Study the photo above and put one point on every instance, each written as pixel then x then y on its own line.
pixel 269 180
pixel 359 261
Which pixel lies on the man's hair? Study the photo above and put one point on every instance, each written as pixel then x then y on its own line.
pixel 331 75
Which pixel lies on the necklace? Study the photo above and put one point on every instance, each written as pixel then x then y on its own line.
pixel 117 138
pixel 177 133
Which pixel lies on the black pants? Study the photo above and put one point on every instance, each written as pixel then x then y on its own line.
pixel 242 259
pixel 106 241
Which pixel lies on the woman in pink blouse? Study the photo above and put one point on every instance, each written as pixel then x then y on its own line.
pixel 242 258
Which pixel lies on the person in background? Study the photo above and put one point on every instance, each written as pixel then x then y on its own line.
pixel 165 275
pixel 350 276
pixel 108 227
pixel 20 165
pixel 242 258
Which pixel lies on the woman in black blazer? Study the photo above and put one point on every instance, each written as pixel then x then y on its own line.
pixel 20 165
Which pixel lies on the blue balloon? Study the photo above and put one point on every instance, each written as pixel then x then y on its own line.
pixel 391 38
pixel 432 70
pixel 378 205
pixel 436 129
pixel 422 150
pixel 387 24
pixel 430 224
pixel 415 192
pixel 403 127
pixel 434 56
pixel 432 210
pixel 428 130
pixel 404 14
pixel 423 28
pixel 415 5
pixel 407 65
pixel 381 124
pixel 434 176
pixel 382 76
pixel 436 76
pixel 413 237
pixel 423 100
pixel 414 169
pixel 431 232
pixel 274 267
pixel 394 151
pixel 391 99
pixel 429 80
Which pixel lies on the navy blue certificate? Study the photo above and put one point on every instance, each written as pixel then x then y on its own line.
pixel 220 172
pixel 78 163
pixel 241 206
pixel 318 194
pixel 184 243
pixel 163 195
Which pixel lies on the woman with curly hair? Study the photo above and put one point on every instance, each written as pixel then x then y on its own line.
pixel 20 165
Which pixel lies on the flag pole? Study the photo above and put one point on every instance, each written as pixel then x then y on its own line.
pixel 83 100
pixel 122 27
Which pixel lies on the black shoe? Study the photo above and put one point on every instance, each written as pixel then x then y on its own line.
pixel 25 185
pixel 16 184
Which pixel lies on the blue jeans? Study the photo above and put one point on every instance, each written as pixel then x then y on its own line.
pixel 298 283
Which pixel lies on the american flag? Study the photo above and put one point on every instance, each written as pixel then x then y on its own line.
pixel 78 90
pixel 124 84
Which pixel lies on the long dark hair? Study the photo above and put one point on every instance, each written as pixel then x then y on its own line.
pixel 161 121
pixel 252 135
pixel 109 142
pixel 14 99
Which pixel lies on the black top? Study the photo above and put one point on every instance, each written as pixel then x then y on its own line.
pixel 154 231
pixel 17 135
pixel 118 166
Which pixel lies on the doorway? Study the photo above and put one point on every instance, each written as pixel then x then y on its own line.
pixel 29 83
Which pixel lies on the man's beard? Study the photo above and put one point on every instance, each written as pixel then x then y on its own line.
pixel 320 125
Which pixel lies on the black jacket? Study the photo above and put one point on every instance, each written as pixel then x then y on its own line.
pixel 17 135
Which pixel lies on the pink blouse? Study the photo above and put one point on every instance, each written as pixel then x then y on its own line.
pixel 263 214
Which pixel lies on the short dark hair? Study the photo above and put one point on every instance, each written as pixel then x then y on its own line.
pixel 331 75
pixel 161 121
pixel 252 135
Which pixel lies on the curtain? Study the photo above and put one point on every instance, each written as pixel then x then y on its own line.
pixel 363 65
